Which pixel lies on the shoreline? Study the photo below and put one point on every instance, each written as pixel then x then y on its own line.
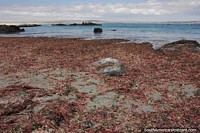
pixel 50 84
pixel 99 21
pixel 155 45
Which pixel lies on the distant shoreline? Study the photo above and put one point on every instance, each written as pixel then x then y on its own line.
pixel 98 21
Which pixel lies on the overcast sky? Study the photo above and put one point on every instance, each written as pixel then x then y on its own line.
pixel 107 10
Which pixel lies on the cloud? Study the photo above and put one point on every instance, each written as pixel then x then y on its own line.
pixel 99 11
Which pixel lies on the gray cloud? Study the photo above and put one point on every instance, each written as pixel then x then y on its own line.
pixel 99 11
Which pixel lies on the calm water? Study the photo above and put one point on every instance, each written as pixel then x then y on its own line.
pixel 157 34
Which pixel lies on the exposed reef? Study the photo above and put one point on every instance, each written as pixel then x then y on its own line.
pixel 8 29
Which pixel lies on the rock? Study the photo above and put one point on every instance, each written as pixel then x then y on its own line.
pixel 110 66
pixel 116 70
pixel 190 43
pixel 114 30
pixel 6 29
pixel 197 49
pixel 106 60
pixel 98 30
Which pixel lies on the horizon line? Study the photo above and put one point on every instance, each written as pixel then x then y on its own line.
pixel 101 21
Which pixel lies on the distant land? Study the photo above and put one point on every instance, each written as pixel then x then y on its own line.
pixel 99 21
pixel 54 22
pixel 164 22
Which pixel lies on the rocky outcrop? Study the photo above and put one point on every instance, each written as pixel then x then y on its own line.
pixel 190 43
pixel 175 46
pixel 110 66
pixel 98 30
pixel 7 29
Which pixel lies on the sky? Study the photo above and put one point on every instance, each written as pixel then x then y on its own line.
pixel 105 10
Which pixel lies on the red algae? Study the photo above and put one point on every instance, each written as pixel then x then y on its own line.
pixel 43 84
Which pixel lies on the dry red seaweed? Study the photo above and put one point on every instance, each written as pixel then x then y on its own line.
pixel 146 70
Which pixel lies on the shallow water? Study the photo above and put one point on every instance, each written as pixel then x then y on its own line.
pixel 157 34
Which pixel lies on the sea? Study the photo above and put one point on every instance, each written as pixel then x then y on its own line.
pixel 157 34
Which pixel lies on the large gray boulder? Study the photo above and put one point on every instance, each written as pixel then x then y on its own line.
pixel 110 66
pixel 116 70
pixel 106 60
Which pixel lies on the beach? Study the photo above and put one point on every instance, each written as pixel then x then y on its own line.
pixel 50 84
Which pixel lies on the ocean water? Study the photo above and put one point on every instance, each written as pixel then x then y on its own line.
pixel 157 34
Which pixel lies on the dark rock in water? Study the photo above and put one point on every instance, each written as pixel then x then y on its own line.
pixel 29 25
pixel 59 25
pixel 115 68
pixel 114 30
pixel 85 24
pixel 6 29
pixel 98 30
pixel 190 43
